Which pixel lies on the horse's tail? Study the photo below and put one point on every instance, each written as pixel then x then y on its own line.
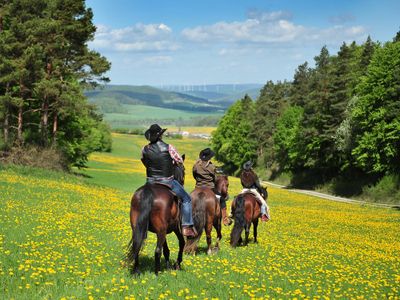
pixel 199 221
pixel 240 221
pixel 139 230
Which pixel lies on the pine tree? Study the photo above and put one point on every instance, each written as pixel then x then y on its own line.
pixel 300 87
pixel 272 101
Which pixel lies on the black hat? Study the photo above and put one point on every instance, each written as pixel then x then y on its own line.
pixel 206 154
pixel 247 165
pixel 154 132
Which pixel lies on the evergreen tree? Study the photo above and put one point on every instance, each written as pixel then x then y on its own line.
pixel 45 63
pixel 272 101
pixel 300 87
pixel 312 136
pixel 397 37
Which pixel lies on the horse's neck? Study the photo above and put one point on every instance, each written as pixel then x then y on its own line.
pixel 218 187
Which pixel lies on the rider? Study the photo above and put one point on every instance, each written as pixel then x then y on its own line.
pixel 159 158
pixel 251 183
pixel 204 172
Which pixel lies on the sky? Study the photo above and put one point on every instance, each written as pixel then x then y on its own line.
pixel 189 42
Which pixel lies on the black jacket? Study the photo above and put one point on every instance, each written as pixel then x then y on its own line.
pixel 158 161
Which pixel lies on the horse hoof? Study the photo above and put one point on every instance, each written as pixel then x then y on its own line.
pixel 177 267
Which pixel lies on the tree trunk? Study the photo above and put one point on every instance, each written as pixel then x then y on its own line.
pixel 45 122
pixel 6 125
pixel 55 126
pixel 20 121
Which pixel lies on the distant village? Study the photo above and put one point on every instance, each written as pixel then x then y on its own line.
pixel 188 135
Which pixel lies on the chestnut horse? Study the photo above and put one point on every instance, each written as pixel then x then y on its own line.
pixel 246 210
pixel 155 208
pixel 207 213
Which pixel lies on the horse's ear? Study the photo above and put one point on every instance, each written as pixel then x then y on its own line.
pixel 183 157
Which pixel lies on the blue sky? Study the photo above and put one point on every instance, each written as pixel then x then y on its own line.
pixel 157 42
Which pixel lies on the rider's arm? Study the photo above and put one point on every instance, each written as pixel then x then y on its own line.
pixel 175 155
pixel 213 170
pixel 142 158
pixel 260 187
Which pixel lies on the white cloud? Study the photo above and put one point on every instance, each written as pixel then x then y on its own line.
pixel 158 60
pixel 269 28
pixel 140 37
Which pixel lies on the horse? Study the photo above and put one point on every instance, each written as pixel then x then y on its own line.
pixel 246 210
pixel 207 213
pixel 155 208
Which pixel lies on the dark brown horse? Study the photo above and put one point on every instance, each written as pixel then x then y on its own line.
pixel 246 210
pixel 155 208
pixel 207 213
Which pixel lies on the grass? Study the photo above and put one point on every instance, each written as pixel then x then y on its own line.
pixel 63 237
pixel 136 114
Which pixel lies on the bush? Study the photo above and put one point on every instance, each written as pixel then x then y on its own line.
pixel 387 190
pixel 48 158
pixel 134 131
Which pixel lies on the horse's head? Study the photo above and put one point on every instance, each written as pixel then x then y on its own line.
pixel 221 185
pixel 179 172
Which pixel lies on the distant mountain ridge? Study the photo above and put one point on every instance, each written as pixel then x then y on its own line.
pixel 111 98
pixel 223 93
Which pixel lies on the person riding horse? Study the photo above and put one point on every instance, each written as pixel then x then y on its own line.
pixel 251 184
pixel 204 172
pixel 159 159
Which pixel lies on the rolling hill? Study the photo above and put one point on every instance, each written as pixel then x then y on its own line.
pixel 125 106
pixel 111 99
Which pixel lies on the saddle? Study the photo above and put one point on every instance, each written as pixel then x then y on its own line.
pixel 255 196
pixel 176 197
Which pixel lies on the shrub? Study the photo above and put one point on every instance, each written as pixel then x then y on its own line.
pixel 387 190
pixel 48 158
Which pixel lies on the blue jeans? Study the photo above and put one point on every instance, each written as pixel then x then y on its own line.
pixel 177 188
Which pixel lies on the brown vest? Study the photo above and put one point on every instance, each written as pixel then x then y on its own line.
pixel 204 173
pixel 248 179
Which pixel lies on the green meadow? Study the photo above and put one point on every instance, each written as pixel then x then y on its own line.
pixel 64 237
pixel 136 115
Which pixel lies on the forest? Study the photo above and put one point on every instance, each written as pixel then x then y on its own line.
pixel 335 125
pixel 45 65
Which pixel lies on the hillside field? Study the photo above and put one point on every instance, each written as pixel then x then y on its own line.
pixel 143 115
pixel 64 237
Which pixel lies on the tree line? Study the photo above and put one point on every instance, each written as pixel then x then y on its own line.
pixel 45 64
pixel 336 121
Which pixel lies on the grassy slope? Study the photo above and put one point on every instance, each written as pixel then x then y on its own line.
pixel 144 112
pixel 62 237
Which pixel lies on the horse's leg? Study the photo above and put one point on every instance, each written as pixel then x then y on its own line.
pixel 166 253
pixel 255 224
pixel 247 231
pixel 208 229
pixel 181 240
pixel 217 226
pixel 161 238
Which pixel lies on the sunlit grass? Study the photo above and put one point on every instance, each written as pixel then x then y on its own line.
pixel 64 237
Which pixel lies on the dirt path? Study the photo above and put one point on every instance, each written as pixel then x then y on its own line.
pixel 330 197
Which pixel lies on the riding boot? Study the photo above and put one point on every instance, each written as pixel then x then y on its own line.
pixel 264 214
pixel 227 221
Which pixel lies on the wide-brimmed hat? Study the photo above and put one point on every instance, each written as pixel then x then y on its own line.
pixel 154 132
pixel 206 154
pixel 247 165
